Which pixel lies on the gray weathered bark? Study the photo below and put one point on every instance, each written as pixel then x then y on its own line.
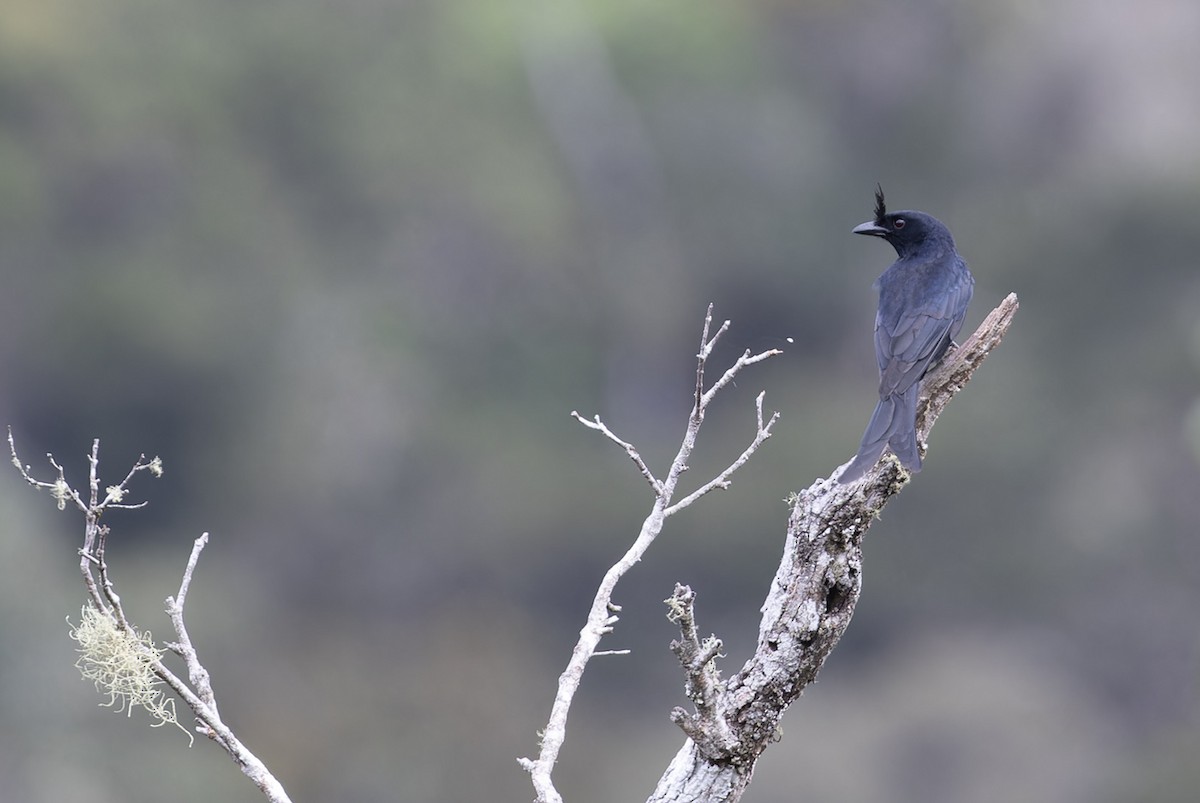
pixel 806 611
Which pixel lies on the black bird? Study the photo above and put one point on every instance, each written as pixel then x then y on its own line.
pixel 923 299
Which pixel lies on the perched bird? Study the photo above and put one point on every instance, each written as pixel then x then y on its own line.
pixel 923 298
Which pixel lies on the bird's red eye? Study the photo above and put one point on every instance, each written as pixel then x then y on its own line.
pixel 898 223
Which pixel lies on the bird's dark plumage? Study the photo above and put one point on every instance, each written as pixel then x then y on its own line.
pixel 923 299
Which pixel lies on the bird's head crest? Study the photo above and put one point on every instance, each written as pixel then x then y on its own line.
pixel 880 206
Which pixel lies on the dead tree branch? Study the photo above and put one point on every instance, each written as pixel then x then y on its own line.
pixel 603 614
pixel 117 656
pixel 808 608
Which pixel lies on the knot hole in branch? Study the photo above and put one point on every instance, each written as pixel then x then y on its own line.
pixel 839 595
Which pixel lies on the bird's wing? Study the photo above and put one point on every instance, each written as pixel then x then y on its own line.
pixel 907 348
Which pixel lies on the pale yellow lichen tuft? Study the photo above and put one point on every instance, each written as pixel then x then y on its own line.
pixel 120 663
pixel 61 493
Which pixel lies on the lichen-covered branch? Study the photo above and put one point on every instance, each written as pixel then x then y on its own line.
pixel 122 660
pixel 703 684
pixel 810 603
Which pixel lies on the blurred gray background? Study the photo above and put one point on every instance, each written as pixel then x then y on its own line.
pixel 347 267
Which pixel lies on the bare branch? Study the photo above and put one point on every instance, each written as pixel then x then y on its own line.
pixel 197 547
pixel 706 347
pixel 599 426
pixel 197 674
pixel 722 479
pixel 746 359
pixel 601 617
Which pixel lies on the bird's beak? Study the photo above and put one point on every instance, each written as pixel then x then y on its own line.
pixel 870 227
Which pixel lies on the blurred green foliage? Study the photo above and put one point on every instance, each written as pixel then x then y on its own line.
pixel 348 267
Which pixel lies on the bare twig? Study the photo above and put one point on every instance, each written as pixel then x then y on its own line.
pixel 746 359
pixel 706 347
pixel 197 674
pixel 722 480
pixel 599 426
pixel 106 602
pixel 601 617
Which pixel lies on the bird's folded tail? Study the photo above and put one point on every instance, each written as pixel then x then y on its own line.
pixel 894 423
